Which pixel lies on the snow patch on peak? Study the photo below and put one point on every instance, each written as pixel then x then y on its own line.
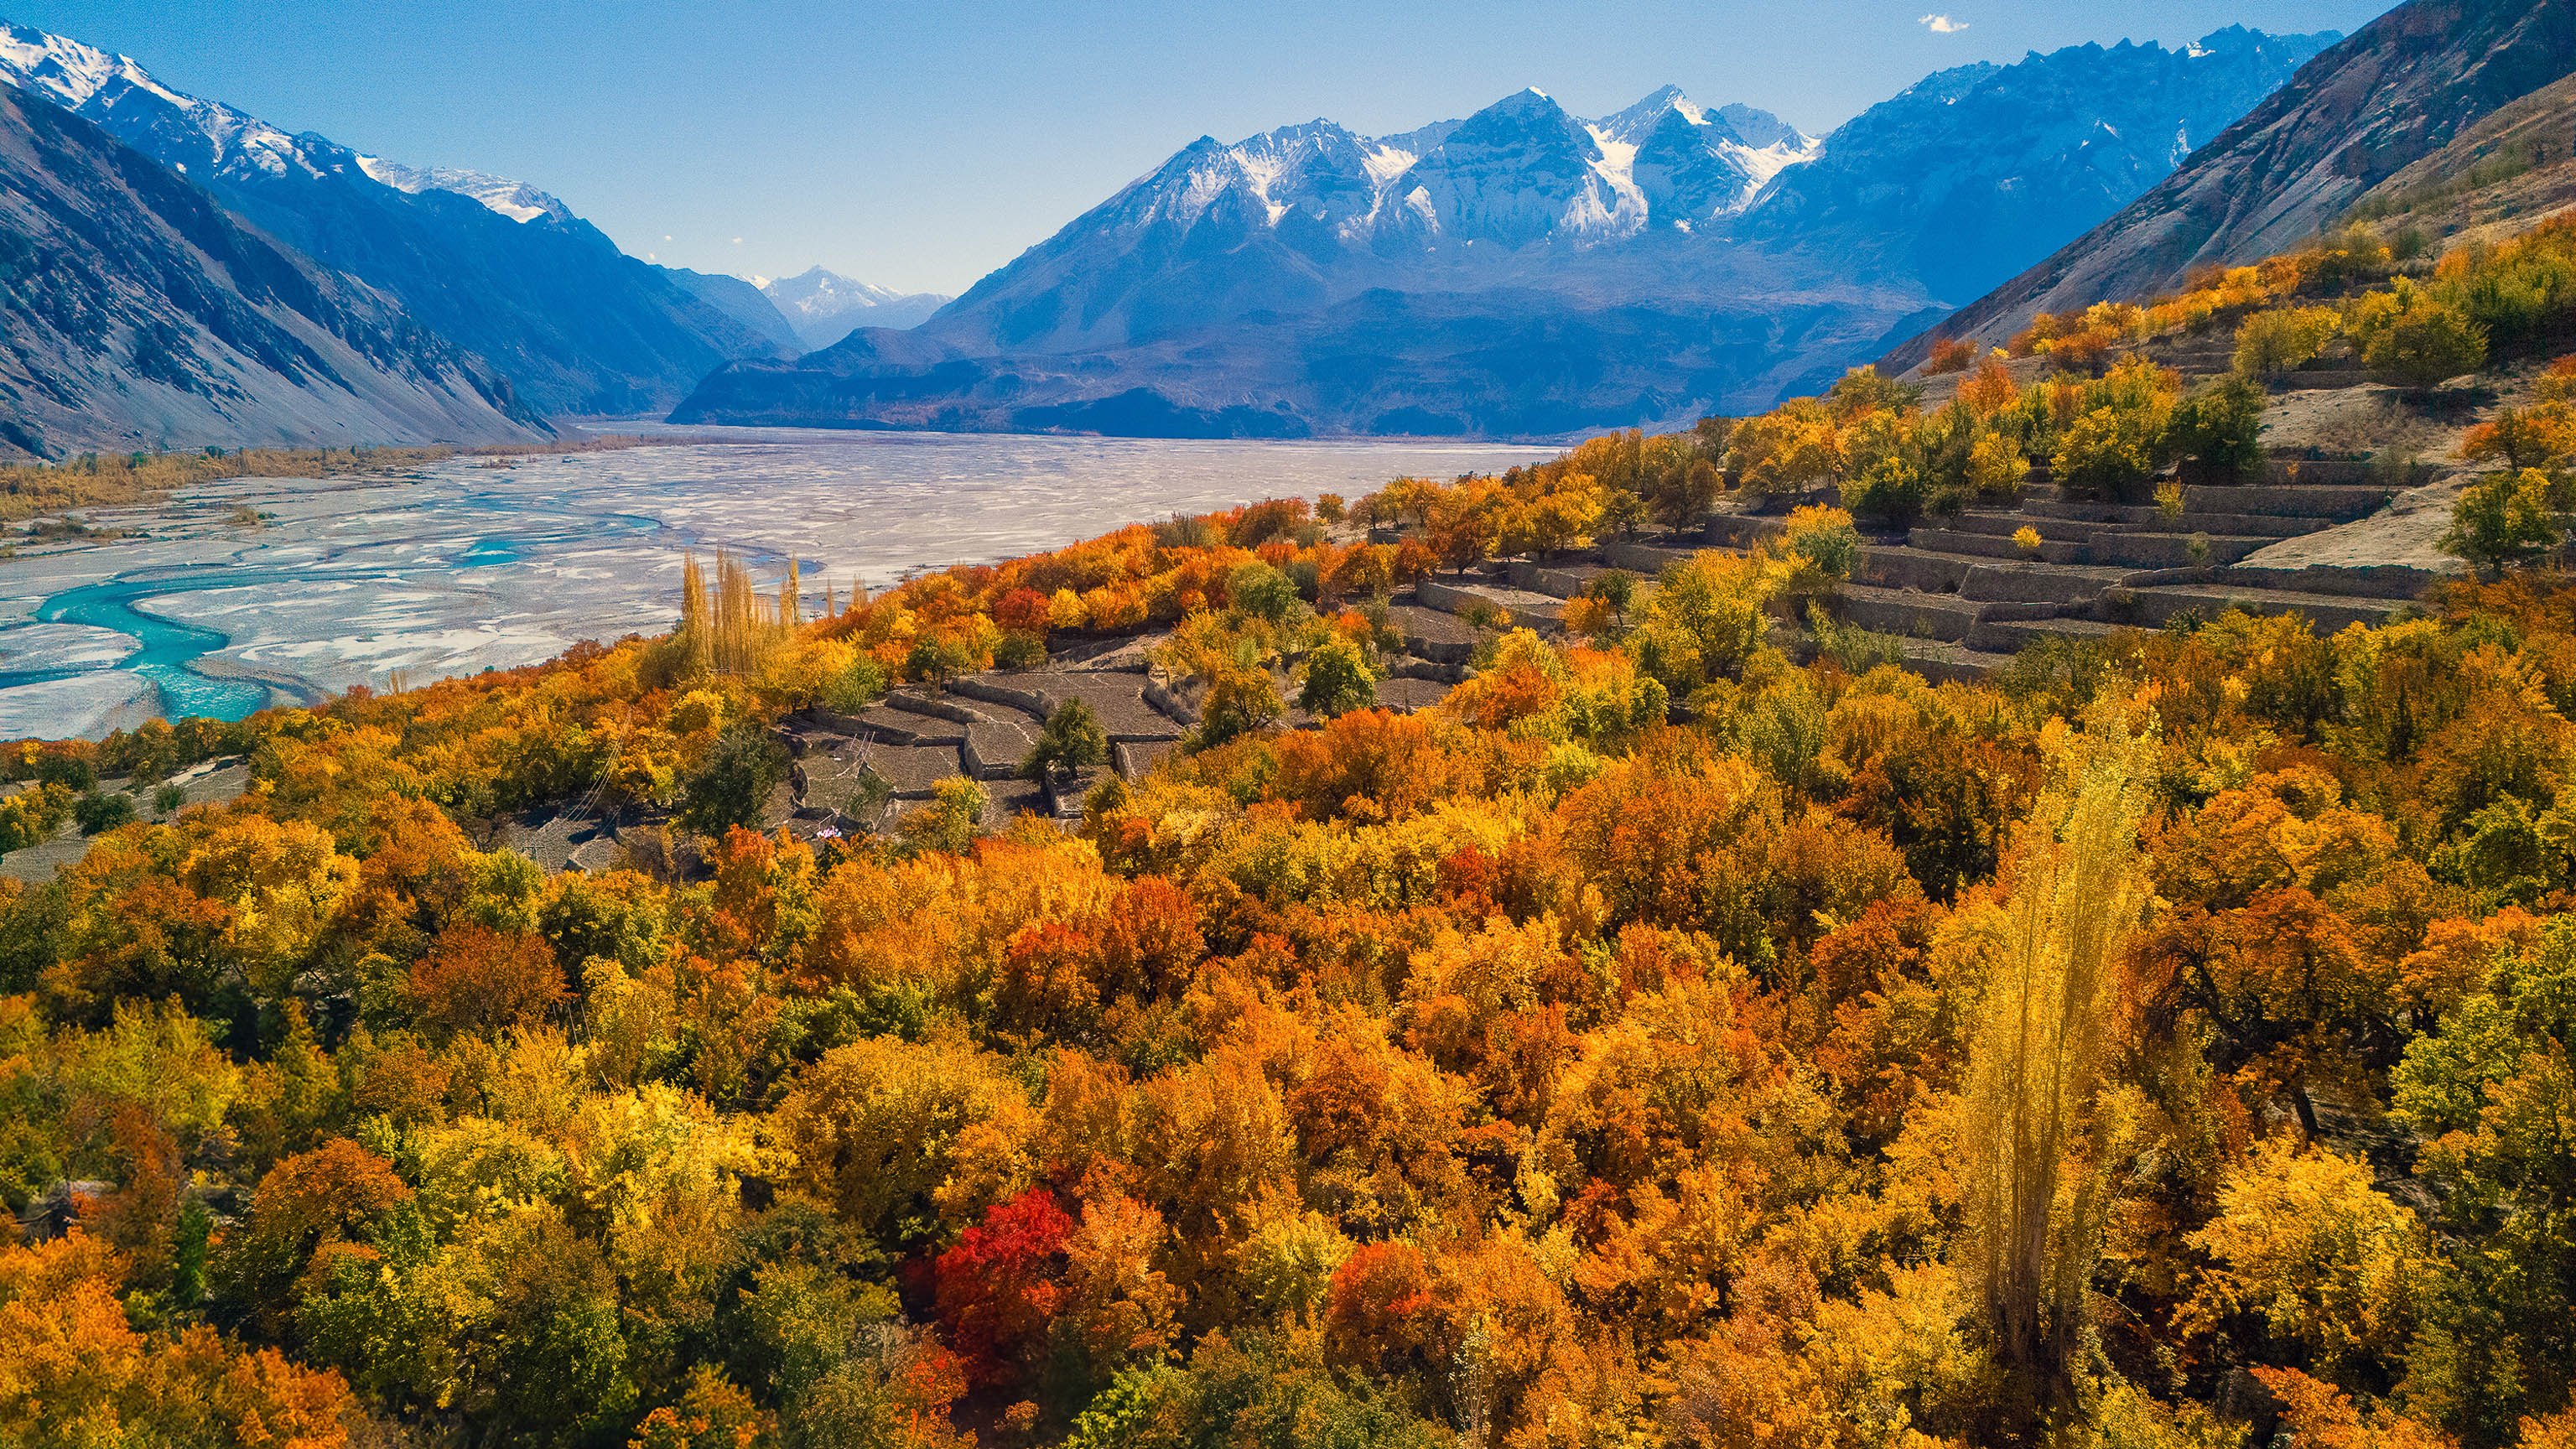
pixel 1610 206
pixel 65 71
pixel 516 200
pixel 1261 170
pixel 1773 159
pixel 1385 163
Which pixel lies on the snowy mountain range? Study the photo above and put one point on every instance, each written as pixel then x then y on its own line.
pixel 823 306
pixel 500 268
pixel 1525 271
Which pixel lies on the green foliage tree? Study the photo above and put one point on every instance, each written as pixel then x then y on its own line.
pixel 2490 1094
pixel 1259 591
pixel 1335 679
pixel 99 811
pixel 1071 740
pixel 732 785
pixel 2413 339
pixel 2508 518
pixel 2219 426
pixel 937 658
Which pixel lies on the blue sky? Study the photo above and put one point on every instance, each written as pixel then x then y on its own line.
pixel 920 145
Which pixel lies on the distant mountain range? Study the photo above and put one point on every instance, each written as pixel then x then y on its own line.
pixel 2403 89
pixel 822 307
pixel 140 314
pixel 1525 272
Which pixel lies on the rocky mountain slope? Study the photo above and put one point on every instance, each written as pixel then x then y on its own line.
pixel 500 268
pixel 823 306
pixel 2400 90
pixel 1525 271
pixel 140 313
pixel 2502 175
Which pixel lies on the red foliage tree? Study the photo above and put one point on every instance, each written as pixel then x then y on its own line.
pixel 478 979
pixel 1000 1286
pixel 1151 943
pixel 1380 1309
pixel 1023 609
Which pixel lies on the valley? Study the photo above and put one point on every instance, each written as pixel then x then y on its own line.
pixel 1977 851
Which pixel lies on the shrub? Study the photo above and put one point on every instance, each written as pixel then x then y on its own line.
pixel 1020 649
pixel 1889 491
pixel 948 820
pixel 1952 354
pixel 169 799
pixel 1822 540
pixel 853 688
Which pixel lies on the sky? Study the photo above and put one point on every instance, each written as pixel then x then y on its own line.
pixel 920 145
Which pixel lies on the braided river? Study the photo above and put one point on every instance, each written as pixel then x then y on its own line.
pixel 470 563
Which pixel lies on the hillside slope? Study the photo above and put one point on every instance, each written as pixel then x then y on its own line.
pixel 2508 172
pixel 140 314
pixel 496 266
pixel 2400 90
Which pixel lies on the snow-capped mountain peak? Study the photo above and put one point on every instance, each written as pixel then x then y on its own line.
pixel 822 306
pixel 83 79
pixel 1519 172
